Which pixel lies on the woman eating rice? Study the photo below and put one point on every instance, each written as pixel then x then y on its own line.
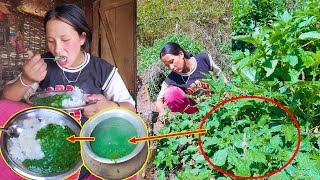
pixel 68 35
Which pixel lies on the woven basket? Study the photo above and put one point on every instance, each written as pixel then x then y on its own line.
pixel 31 28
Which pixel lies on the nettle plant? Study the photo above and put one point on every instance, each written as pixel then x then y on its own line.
pixel 287 49
pixel 246 137
pixel 248 14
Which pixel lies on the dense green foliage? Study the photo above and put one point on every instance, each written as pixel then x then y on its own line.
pixel 276 55
pixel 249 14
pixel 284 46
pixel 271 136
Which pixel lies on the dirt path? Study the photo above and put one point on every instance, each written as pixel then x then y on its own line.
pixel 144 110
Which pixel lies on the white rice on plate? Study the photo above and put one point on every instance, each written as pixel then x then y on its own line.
pixel 26 146
pixel 77 98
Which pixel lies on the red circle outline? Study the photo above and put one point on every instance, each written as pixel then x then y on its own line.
pixel 253 97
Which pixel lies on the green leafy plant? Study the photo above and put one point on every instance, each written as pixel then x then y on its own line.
pixel 286 49
pixel 249 14
pixel 247 137
pixel 252 137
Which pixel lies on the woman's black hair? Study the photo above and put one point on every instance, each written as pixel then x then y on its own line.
pixel 174 49
pixel 72 15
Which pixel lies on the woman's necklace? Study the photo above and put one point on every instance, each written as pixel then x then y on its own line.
pixel 188 76
pixel 185 81
pixel 71 81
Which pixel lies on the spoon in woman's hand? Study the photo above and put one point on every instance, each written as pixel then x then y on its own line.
pixel 13 131
pixel 57 58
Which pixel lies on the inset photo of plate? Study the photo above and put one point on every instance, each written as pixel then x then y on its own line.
pixel 36 152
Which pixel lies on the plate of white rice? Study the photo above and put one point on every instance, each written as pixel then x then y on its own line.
pixel 65 100
pixel 27 147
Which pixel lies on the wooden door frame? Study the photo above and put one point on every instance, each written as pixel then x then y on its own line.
pixel 99 21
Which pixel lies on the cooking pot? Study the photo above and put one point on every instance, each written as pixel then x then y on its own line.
pixel 39 113
pixel 125 166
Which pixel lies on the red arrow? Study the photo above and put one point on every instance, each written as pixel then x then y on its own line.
pixel 73 139
pixel 134 140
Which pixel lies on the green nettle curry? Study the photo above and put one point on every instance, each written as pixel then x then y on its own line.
pixel 54 101
pixel 60 154
pixel 111 138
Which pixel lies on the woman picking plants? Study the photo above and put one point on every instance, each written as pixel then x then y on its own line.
pixel 186 72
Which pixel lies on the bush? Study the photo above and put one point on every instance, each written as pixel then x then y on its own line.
pixel 250 14
pixel 245 137
pixel 286 49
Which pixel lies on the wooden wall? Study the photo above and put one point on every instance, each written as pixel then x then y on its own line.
pixel 113 25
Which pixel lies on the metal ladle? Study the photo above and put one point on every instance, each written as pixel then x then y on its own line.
pixel 13 131
pixel 57 58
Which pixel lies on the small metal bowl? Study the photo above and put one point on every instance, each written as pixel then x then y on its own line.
pixel 123 167
pixel 39 113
